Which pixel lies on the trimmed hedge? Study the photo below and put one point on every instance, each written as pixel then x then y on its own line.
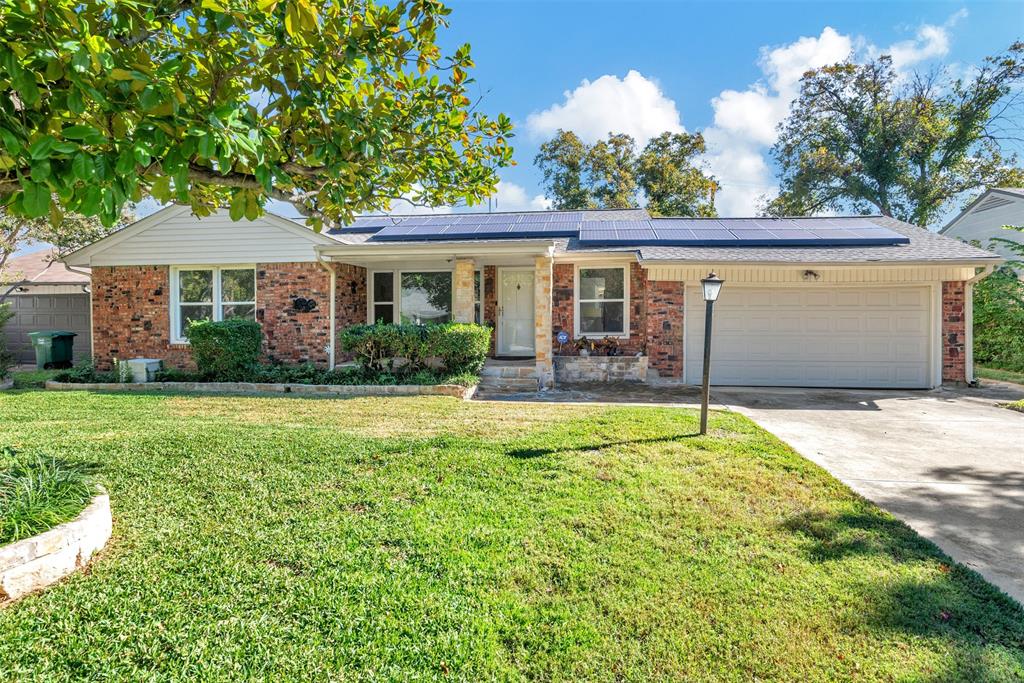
pixel 407 349
pixel 226 351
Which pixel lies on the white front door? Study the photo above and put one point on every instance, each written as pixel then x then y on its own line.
pixel 515 312
pixel 858 337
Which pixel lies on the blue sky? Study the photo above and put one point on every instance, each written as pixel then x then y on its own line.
pixel 726 68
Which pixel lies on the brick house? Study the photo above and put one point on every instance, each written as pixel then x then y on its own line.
pixel 859 301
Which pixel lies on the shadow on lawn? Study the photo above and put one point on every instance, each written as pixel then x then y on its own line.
pixel 955 605
pixel 531 452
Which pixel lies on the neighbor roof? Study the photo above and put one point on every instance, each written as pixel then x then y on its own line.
pixel 41 268
pixel 910 243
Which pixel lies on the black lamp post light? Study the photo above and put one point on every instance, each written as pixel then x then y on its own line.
pixel 711 286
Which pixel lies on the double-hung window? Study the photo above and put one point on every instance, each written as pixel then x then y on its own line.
pixel 210 293
pixel 601 296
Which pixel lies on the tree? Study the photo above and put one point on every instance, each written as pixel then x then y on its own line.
pixel 859 137
pixel 999 312
pixel 72 232
pixel 610 174
pixel 338 107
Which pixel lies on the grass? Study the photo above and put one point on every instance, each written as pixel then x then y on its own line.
pixel 432 539
pixel 29 379
pixel 1001 375
pixel 37 493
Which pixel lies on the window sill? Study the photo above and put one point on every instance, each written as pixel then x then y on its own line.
pixel 602 335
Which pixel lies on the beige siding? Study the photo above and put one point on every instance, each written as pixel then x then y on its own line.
pixel 177 237
pixel 800 275
pixel 986 220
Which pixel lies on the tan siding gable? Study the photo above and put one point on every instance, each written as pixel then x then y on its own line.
pixel 982 224
pixel 795 274
pixel 180 238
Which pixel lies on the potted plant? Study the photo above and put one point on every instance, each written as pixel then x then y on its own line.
pixel 584 346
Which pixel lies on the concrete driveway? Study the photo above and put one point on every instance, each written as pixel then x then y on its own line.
pixel 948 462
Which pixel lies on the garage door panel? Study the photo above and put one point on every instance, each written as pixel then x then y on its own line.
pixel 843 337
pixel 33 312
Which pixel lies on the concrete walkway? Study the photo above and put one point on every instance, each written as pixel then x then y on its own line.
pixel 948 462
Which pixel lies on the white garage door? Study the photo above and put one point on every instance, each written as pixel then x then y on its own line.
pixel 813 337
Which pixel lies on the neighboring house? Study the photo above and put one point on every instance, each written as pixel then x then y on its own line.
pixel 44 295
pixel 985 217
pixel 825 302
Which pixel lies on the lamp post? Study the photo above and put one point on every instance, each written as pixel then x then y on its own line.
pixel 711 287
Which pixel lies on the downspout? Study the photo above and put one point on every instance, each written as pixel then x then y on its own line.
pixel 326 265
pixel 969 323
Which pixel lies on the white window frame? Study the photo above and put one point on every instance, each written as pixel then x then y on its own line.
pixel 396 289
pixel 218 305
pixel 625 268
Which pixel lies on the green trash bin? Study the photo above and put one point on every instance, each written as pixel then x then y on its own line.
pixel 53 348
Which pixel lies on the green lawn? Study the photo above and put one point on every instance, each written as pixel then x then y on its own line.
pixel 428 538
pixel 1001 375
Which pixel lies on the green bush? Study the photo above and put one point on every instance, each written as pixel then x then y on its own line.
pixel 462 347
pixel 404 349
pixel 38 493
pixel 6 357
pixel 999 321
pixel 85 372
pixel 225 351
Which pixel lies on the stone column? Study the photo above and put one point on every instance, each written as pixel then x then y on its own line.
pixel 542 320
pixel 463 294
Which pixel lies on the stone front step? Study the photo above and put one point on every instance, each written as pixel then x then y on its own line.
pixel 510 371
pixel 508 384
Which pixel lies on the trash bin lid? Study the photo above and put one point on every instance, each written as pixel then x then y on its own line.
pixel 52 334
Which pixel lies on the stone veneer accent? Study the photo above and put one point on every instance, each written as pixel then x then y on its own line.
pixel 34 563
pixel 954 332
pixel 542 279
pixel 463 291
pixel 665 312
pixel 601 369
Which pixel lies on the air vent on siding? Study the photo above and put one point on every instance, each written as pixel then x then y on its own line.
pixel 993 203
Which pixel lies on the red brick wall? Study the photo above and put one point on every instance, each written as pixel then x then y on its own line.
pixel 562 313
pixel 131 316
pixel 350 302
pixel 563 309
pixel 954 332
pixel 664 329
pixel 292 336
pixel 490 301
pixel 131 312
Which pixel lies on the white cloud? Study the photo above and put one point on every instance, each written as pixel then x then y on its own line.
pixel 930 41
pixel 634 105
pixel 746 121
pixel 513 197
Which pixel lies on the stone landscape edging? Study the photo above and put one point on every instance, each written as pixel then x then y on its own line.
pixel 6 384
pixel 34 563
pixel 454 390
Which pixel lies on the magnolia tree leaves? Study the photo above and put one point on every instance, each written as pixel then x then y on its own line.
pixel 338 108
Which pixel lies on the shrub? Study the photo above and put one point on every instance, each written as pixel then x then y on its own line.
pixel 404 349
pixel 225 351
pixel 6 357
pixel 176 375
pixel 999 321
pixel 38 493
pixel 462 347
pixel 85 372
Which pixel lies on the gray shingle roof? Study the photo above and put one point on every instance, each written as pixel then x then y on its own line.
pixel 924 246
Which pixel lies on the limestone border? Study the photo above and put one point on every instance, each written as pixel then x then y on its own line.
pixel 453 390
pixel 34 563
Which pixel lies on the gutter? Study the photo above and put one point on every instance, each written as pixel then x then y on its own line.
pixel 969 323
pixel 334 276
